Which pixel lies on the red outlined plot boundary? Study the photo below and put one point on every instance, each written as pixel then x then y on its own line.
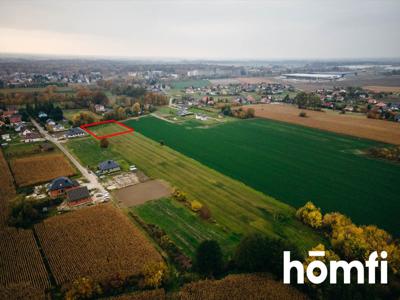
pixel 86 128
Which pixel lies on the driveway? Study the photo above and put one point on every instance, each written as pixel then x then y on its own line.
pixel 93 180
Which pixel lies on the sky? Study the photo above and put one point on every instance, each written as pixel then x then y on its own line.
pixel 218 29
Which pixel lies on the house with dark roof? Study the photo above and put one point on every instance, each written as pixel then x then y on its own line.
pixel 108 166
pixel 75 132
pixel 59 186
pixel 78 196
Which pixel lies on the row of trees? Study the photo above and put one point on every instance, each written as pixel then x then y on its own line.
pixel 255 253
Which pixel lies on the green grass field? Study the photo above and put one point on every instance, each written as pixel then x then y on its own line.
pixel 184 227
pixel 293 164
pixel 187 83
pixel 237 208
pixel 91 154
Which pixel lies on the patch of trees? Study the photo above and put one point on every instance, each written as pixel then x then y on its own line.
pixel 241 112
pixel 84 97
pixel 25 213
pixel 350 241
pixel 129 90
pixel 82 118
pixel 308 101
pixel 49 94
pixel 53 112
pixel 389 153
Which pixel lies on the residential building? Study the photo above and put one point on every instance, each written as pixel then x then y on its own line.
pixel 108 166
pixel 59 186
pixel 78 196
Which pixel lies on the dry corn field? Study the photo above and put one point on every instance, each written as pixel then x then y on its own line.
pixel 37 169
pixel 96 241
pixel 158 294
pixel 20 260
pixel 7 189
pixel 238 287
pixel 20 291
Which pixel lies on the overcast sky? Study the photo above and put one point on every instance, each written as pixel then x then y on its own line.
pixel 215 29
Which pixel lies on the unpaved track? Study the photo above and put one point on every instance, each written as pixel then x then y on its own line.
pixel 93 182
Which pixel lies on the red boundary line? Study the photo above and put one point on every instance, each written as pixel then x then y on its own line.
pixel 85 128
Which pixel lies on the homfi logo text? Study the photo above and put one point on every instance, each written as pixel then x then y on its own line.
pixel 317 271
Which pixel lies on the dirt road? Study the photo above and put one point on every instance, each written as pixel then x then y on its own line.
pixel 92 178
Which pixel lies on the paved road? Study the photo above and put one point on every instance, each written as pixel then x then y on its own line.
pixel 92 178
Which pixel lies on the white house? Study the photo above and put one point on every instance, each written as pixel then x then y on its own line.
pixel 6 137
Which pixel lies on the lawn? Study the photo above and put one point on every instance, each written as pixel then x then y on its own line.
pixel 294 164
pixel 184 227
pixel 237 208
pixel 91 154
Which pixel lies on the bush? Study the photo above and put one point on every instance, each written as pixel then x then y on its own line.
pixel 205 212
pixel 195 206
pixel 209 261
pixel 83 288
pixel 179 195
pixel 303 114
pixel 154 274
pixel 309 214
pixel 104 143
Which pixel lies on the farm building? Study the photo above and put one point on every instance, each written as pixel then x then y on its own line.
pixel 75 132
pixel 78 196
pixel 108 166
pixel 60 186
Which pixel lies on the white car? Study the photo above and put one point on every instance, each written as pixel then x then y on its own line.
pixel 133 168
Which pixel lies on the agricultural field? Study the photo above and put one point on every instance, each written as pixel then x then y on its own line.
pixel 183 226
pixel 97 241
pixel 292 163
pixel 7 189
pixel 31 170
pixel 382 88
pixel 237 208
pixel 237 287
pixel 349 124
pixel 20 260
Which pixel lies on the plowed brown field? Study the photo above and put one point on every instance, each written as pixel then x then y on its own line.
pixel 354 125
